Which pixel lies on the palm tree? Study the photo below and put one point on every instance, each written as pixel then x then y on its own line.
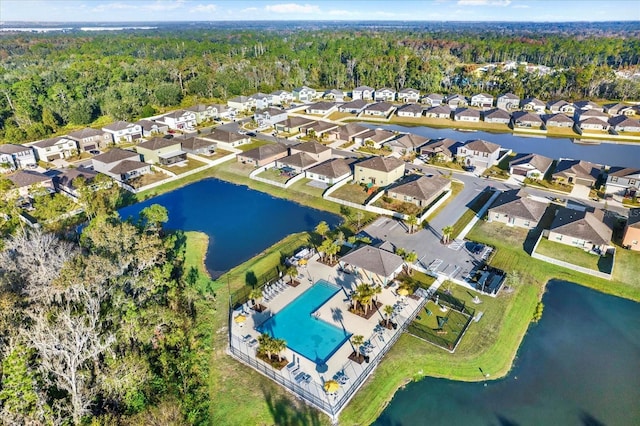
pixel 401 252
pixel 292 271
pixel 357 341
pixel 388 311
pixel 322 229
pixel 256 296
pixel 278 345
pixel 325 248
pixel 411 221
pixel 359 217
pixel 446 233
pixel 364 293
pixel 410 258
pixel 333 249
pixel 266 344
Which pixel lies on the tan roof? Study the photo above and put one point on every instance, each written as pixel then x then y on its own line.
pixel 87 132
pixel 558 118
pixel 497 113
pixel 624 121
pixel 594 120
pixel 177 113
pixel 333 168
pixel 264 151
pixel 24 178
pixel 422 188
pixel 116 154
pixel 540 162
pixel 220 135
pixel 67 177
pixel 624 172
pixel 379 106
pixel 440 109
pixel 297 121
pixel 481 146
pixel 508 96
pixel 127 166
pixel 581 224
pixel 514 204
pixel 311 147
pixel 10 148
pixel 373 259
pixel 382 164
pixel 300 160
pixel 158 143
pixel 355 104
pixel 579 168
pixel 194 144
pixel 437 146
pixel 467 112
pixel 351 129
pixel 377 135
pixel 323 106
pixel 411 140
pixel 412 108
pixel 320 126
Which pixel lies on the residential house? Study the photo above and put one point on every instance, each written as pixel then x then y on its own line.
pixel 67 181
pixel 226 139
pixel 508 102
pixel 55 148
pixel 409 95
pixel 297 162
pixel 526 119
pixel 261 100
pixel 269 116
pixel 455 101
pixel 375 136
pixel 581 229
pixel 151 128
pixel 433 99
pixel 89 139
pixel 304 94
pixel 631 236
pixel 482 100
pixel 198 146
pixel 331 171
pixel 353 107
pixel 322 108
pixel 406 143
pixel 619 109
pixel 496 115
pixel 334 95
pixel 439 111
pixel 313 149
pixel 378 265
pixel 319 128
pixel 120 164
pixel 123 131
pixel 241 103
pixel 514 208
pixel 380 109
pixel 479 153
pixel 585 114
pixel 579 172
pixel 622 123
pixel 443 149
pixel 533 166
pixel 263 155
pixel 27 183
pixel 162 151
pixel 204 112
pixel 558 120
pixel 349 131
pixel 281 97
pixel 363 92
pixel 421 191
pixel 466 114
pixel 220 111
pixel 409 110
pixel 561 106
pixel 588 105
pixel 385 94
pixel 533 105
pixel 14 156
pixel 379 171
pixel 293 124
pixel 623 181
pixel 593 123
pixel 180 120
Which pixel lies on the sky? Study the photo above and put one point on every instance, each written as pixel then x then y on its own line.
pixel 396 10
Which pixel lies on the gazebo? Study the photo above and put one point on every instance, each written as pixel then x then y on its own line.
pixel 378 265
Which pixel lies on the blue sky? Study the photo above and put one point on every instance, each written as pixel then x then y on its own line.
pixel 212 10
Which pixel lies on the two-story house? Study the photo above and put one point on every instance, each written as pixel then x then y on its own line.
pixel 66 182
pixel 55 148
pixel 28 183
pixel 203 112
pixel 479 153
pixel 363 92
pixel 269 116
pixel 533 105
pixel 152 128
pixel 334 95
pixel 385 94
pixel 162 151
pixel 482 100
pixel 14 156
pixel 241 103
pixel 304 94
pixel 508 102
pixel 281 97
pixel 120 164
pixel 180 120
pixel 623 181
pixel 409 95
pixel 89 139
pixel 123 131
pixel 261 100
pixel 432 99
pixel 379 171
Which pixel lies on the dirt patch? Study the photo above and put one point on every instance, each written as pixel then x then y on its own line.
pixel 356 357
pixel 294 283
pixel 276 363
pixel 369 313
pixel 259 308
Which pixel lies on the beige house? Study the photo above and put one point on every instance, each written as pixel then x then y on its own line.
pixel 379 266
pixel 162 151
pixel 263 155
pixel 30 182
pixel 313 149
pixel 631 238
pixel 515 208
pixel 420 191
pixel 581 229
pixel 226 139
pixel 331 171
pixel 120 164
pixel 379 171
pixel 576 172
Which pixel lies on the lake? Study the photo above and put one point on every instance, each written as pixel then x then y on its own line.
pixel 239 221
pixel 627 155
pixel 579 366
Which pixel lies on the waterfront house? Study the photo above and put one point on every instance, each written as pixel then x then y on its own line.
pixel 514 208
pixel 313 149
pixel 293 124
pixel 482 100
pixel 533 105
pixel 379 109
pixel 622 123
pixel 28 183
pixel 120 164
pixel 508 102
pixel 67 181
pixel 593 123
pixel 432 99
pixel 198 146
pixel 631 236
pixel 376 136
pixel 443 149
pixel 319 128
pixel 582 229
pixel 331 171
pixel 558 120
pixel 89 139
pixel 479 153
pixel 455 101
pixel 623 181
pixel 421 191
pixel 561 106
pixel 619 109
pixel 585 114
pixel 241 103
pixel 496 115
pixel 533 166
pixel 261 100
pixel 406 143
pixel 408 95
pixel 263 154
pixel 363 92
pixel 379 171
pixel 123 131
pixel 269 116
pixel 14 156
pixel 349 131
pixel 377 265
pixel 579 172
pixel 409 110
pixel 304 94
pixel 334 95
pixel 466 114
pixel 526 119
pixel 297 162
pixel 226 139
pixel 55 148
pixel 180 120
pixel 440 111
pixel 281 97
pixel 354 107
pixel 385 94
pixel 322 108
pixel 162 151
pixel 151 128
pixel 588 106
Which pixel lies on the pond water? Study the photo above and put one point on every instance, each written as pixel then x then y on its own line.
pixel 579 366
pixel 627 155
pixel 239 221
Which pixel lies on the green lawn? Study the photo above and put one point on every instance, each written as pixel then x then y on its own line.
pixel 575 256
pixel 352 192
pixel 543 183
pixel 439 327
pixel 397 206
pixel 275 175
pixel 190 165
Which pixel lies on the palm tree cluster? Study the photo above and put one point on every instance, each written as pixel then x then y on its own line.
pixel 364 296
pixel 270 346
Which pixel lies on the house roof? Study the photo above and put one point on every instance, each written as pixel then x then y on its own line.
pixel 634 218
pixel 580 168
pixel 378 261
pixel 45 143
pixel 624 121
pixel 67 177
pixel 581 224
pixel 240 99
pixel 118 125
pixel 516 204
pixel 558 103
pixel 333 168
pixel 467 112
pixel 379 106
pixel 444 146
pixel 178 113
pixel 280 92
pixel 382 164
pixel 335 92
pixel 377 135
pixel 264 151
pixel 320 126
pixel 587 105
pixel 296 121
pixel 595 121
pixel 615 108
pixel 116 154
pixel 484 95
pixel 271 111
pixel 539 162
pixel 299 89
pixel 220 135
pixel 87 132
pixel 355 104
pixel 409 90
pixel 422 188
pixel 194 144
pixel 127 166
pixel 258 96
pixel 456 96
pixel 558 118
pixel 508 96
pixel 481 146
pixel 526 117
pixel 199 108
pixel 158 143
pixel 535 101
pixel 312 147
pixel 435 96
pixel 411 140
pixel 440 109
pixel 624 172
pixel 24 178
pixel 11 148
pixel 412 108
pixel 299 159
pixel 352 129
pixel 363 88
pixel 593 113
pixel 496 113
pixel 149 125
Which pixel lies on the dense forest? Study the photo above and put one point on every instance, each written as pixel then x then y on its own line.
pixel 51 82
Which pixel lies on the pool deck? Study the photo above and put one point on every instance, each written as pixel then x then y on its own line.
pixel 336 312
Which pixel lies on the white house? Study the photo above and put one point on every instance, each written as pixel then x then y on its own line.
pixel 533 105
pixel 14 156
pixel 508 102
pixel 261 100
pixel 409 95
pixel 455 101
pixel 269 116
pixel 363 92
pixel 433 99
pixel 124 131
pixel 321 108
pixel 622 123
pixel 241 103
pixel 280 97
pixel 482 100
pixel 334 95
pixel 304 94
pixel 120 164
pixel 479 153
pixel 385 94
pixel 622 180
pixel 440 111
pixel 380 109
pixel 55 148
pixel 353 107
pixel 533 166
pixel 466 114
pixel 409 110
pixel 331 171
pixel 180 120
pixel 497 115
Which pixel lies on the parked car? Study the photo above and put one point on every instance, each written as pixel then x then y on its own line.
pixel 251 134
pixel 469 168
pixel 94 152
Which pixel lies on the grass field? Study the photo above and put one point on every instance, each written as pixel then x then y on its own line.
pixel 351 192
pixel 575 256
pixel 470 212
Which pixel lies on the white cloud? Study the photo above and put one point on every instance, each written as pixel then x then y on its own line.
pixel 249 9
pixel 111 6
pixel 292 8
pixel 484 2
pixel 520 6
pixel 204 8
pixel 337 12
pixel 162 6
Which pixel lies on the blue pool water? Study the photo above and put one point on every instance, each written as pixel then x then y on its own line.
pixel 306 335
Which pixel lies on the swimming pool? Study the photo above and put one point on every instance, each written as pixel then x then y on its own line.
pixel 306 335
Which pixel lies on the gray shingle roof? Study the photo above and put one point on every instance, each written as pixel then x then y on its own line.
pixel 194 144
pixel 382 164
pixel 311 147
pixel 10 148
pixel 24 178
pixel 118 125
pixel 373 259
pixel 422 188
pixel 514 204
pixel 333 168
pixel 481 146
pixel 158 143
pixel 540 162
pixel 300 160
pixel 581 224
pixel 87 132
pixel 265 151
pixel 116 154
pixel 380 107
pixel 127 166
